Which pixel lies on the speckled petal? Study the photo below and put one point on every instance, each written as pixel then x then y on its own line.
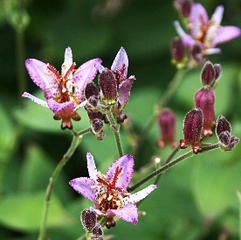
pixel 83 75
pixel 136 197
pixel 186 38
pixel 124 91
pixel 128 213
pixel 68 60
pixel 218 15
pixel 121 57
pixel 41 76
pixel 91 166
pixel 224 34
pixel 127 164
pixel 83 185
pixel 198 12
pixel 35 99
pixel 100 67
pixel 56 107
pixel 211 51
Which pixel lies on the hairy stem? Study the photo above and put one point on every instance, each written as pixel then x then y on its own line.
pixel 116 131
pixel 77 137
pixel 170 164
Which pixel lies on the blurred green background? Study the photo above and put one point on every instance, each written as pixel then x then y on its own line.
pixel 194 200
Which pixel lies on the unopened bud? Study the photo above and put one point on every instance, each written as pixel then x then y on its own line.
pixel 204 99
pixel 91 90
pixel 208 73
pixel 97 230
pixel 192 130
pixel 93 115
pixel 108 86
pixel 97 125
pixel 197 53
pixel 88 219
pixel 186 7
pixel 178 49
pixel 167 122
pixel 224 138
pixel 218 71
pixel 222 125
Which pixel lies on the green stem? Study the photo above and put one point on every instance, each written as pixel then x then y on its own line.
pixel 116 130
pixel 160 104
pixel 170 164
pixel 167 161
pixel 77 137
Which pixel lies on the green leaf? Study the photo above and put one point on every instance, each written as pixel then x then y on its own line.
pixel 214 182
pixel 36 171
pixel 23 212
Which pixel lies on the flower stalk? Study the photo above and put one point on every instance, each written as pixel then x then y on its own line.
pixel 170 164
pixel 77 137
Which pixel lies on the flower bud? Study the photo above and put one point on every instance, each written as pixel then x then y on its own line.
pixel 218 71
pixel 192 130
pixel 93 115
pixel 167 126
pixel 91 90
pixel 97 125
pixel 208 73
pixel 186 7
pixel 223 132
pixel 197 53
pixel 108 86
pixel 178 49
pixel 97 230
pixel 204 99
pixel 88 219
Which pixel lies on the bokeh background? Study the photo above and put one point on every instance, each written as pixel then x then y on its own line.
pixel 195 200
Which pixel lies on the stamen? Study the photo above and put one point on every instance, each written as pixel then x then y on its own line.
pixel 53 70
pixel 70 70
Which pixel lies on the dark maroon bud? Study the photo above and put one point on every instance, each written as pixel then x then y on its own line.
pixel 233 141
pixel 186 7
pixel 110 222
pixel 167 122
pixel 197 53
pixel 178 49
pixel 93 115
pixel 224 138
pixel 91 90
pixel 100 135
pixel 108 86
pixel 222 125
pixel 96 125
pixel 88 219
pixel 204 99
pixel 121 117
pixel 218 71
pixel 105 118
pixel 192 130
pixel 208 73
pixel 97 230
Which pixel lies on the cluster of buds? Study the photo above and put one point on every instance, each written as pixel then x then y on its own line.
pixel 202 34
pixel 115 86
pixel 89 222
pixel 223 132
pixel 167 122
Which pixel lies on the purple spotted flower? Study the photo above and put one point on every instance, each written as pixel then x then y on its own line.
pixel 115 85
pixel 64 92
pixel 109 191
pixel 207 33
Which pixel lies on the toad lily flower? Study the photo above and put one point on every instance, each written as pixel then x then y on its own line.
pixel 208 33
pixel 109 191
pixel 115 85
pixel 64 92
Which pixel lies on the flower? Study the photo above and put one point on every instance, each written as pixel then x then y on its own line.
pixel 207 32
pixel 109 191
pixel 119 89
pixel 64 92
pixel 223 132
